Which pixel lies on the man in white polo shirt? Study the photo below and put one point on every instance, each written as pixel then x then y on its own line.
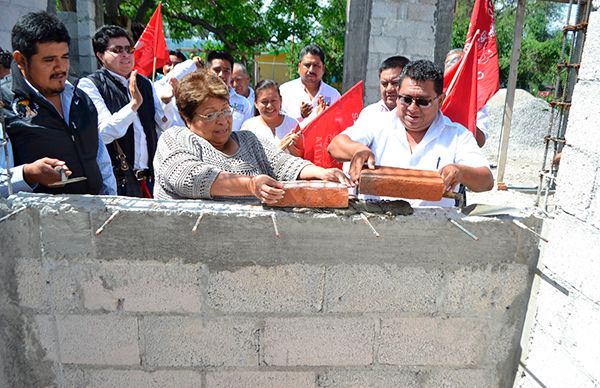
pixel 389 83
pixel 240 82
pixel 417 135
pixel 301 96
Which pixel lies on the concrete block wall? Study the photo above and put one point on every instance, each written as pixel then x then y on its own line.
pixel 149 303
pixel 408 28
pixel 12 10
pixel 561 342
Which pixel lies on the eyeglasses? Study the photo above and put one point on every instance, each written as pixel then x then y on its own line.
pixel 421 102
pixel 120 49
pixel 227 112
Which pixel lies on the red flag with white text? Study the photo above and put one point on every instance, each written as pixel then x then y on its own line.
pixel 460 104
pixel 488 72
pixel 151 45
pixel 333 120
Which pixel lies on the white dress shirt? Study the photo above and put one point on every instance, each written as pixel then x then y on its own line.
pixel 293 94
pixel 113 126
pixel 444 143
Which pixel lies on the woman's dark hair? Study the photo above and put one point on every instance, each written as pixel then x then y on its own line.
pixel 423 70
pixel 104 34
pixel 264 85
pixel 37 27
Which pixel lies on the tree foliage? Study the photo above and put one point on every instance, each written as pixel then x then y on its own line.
pixel 244 28
pixel 542 39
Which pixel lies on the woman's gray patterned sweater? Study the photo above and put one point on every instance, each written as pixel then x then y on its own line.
pixel 186 165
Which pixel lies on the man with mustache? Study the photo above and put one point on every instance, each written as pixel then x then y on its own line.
pixel 417 135
pixel 305 97
pixel 130 113
pixel 389 83
pixel 51 124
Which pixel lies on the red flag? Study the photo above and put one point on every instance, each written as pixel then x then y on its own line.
pixel 333 120
pixel 488 72
pixel 151 45
pixel 460 104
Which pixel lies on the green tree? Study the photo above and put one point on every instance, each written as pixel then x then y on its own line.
pixel 542 39
pixel 243 28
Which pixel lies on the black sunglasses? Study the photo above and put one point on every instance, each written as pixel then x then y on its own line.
pixel 421 102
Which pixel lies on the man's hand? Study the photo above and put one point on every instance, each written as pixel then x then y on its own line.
pixel 321 106
pixel 452 176
pixel 136 96
pixel 335 175
pixel 358 161
pixel 267 189
pixel 168 90
pixel 42 171
pixel 305 109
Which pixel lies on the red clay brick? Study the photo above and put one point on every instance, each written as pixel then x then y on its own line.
pixel 314 194
pixel 402 183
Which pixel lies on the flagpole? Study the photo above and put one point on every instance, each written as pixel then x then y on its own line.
pixel 154 68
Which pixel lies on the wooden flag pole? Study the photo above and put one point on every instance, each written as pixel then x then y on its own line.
pixel 154 68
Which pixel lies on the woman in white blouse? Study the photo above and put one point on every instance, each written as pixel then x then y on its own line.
pixel 271 123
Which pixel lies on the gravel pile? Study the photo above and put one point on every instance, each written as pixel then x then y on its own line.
pixel 530 121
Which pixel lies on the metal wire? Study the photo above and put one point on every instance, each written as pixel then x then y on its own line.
pixel 566 77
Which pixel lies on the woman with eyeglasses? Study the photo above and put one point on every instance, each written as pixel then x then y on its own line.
pixel 206 159
pixel 271 123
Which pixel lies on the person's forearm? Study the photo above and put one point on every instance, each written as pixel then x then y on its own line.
pixel 477 179
pixel 310 171
pixel 343 149
pixel 231 185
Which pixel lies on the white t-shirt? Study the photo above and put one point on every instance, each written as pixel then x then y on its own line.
pixel 258 127
pixel 483 121
pixel 294 94
pixel 444 143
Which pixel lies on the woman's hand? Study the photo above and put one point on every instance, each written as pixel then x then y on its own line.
pixel 267 189
pixel 294 143
pixel 335 175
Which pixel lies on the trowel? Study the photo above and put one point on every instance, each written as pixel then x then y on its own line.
pixel 64 180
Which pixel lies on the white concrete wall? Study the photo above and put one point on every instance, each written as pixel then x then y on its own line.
pixel 325 304
pixel 12 10
pixel 563 344
pixel 399 27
